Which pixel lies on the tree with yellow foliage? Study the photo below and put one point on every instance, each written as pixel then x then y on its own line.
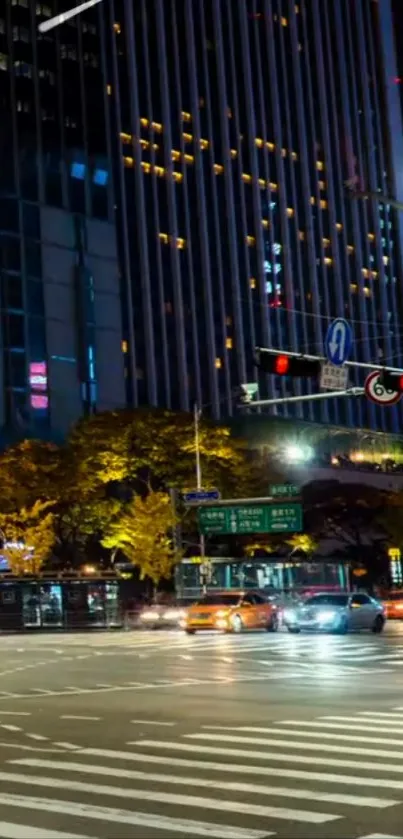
pixel 303 542
pixel 144 532
pixel 28 537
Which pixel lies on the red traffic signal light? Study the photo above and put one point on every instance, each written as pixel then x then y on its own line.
pixel 286 365
pixel 282 365
pixel 391 381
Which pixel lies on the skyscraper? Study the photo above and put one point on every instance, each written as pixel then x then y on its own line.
pixel 60 324
pixel 241 121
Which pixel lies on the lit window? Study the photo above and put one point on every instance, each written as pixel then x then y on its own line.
pixel 186 116
pixel 320 165
pixel 312 200
pixel 326 242
pixel 290 212
pixel 218 169
pixel 322 184
pixel 189 158
pixel 177 176
pixel 365 273
pixel 188 138
pixel 234 153
pixel 284 21
pixel 100 177
pixel 228 320
pixel 117 28
pixel 252 282
pixel 246 178
pixel 218 363
pixel 386 260
pixel 163 237
pixel 175 154
pixel 301 235
pixel 265 223
pixel 328 260
pixel 77 170
pixel 339 227
pixel 371 237
pixel 350 249
pixel 283 152
pixel 294 155
pixel 259 142
pixel 250 240
pixel 323 204
pixel 204 144
pixel 270 146
pixel 109 89
pixel 181 244
pixel 125 346
pixel 3 61
pixel 273 187
pixel 229 343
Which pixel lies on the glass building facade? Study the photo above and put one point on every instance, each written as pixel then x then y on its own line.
pixel 240 124
pixel 227 131
pixel 60 309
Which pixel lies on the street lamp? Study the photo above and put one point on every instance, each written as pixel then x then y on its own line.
pixel 59 19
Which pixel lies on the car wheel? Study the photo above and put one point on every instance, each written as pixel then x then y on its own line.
pixel 378 625
pixel 272 626
pixel 190 631
pixel 294 629
pixel 236 623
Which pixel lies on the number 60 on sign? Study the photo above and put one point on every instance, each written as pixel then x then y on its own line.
pixel 376 392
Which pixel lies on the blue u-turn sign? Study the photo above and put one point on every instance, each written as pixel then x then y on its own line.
pixel 338 341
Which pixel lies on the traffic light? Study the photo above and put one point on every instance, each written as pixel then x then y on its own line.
pixel 286 365
pixel 391 381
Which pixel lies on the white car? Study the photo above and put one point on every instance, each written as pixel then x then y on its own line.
pixel 336 612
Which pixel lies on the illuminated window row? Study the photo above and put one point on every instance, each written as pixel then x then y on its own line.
pixel 149 169
pixel 179 243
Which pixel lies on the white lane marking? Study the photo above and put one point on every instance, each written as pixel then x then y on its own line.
pixel 36 736
pixel 77 717
pixel 179 800
pixel 395 715
pixel 359 725
pixel 11 830
pixel 240 769
pixel 69 746
pixel 11 727
pixel 187 657
pixel 229 786
pixel 381 836
pixel 324 735
pixel 275 756
pixel 152 722
pixel 104 685
pixel 118 816
pixel 15 713
pixel 24 748
pixel 314 747
pixel 41 690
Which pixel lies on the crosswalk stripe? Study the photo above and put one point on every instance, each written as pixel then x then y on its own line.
pixel 314 747
pixel 135 819
pixel 244 768
pixel 338 727
pixel 325 735
pixel 381 836
pixel 359 723
pixel 394 715
pixel 222 805
pixel 11 830
pixel 277 757
pixel 231 786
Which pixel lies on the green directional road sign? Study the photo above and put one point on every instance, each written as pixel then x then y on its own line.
pixel 284 490
pixel 251 518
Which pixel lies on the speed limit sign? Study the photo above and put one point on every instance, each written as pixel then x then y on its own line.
pixel 376 392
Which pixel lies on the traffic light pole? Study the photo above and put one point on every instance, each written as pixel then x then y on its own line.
pixel 309 397
pixel 322 359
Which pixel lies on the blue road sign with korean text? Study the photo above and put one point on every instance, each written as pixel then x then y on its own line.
pixel 338 341
pixel 197 496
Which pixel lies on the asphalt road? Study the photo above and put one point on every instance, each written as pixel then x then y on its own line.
pixel 157 734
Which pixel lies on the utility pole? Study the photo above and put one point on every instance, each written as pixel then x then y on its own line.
pixel 197 415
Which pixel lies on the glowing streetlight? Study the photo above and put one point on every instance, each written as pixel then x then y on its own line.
pixel 59 19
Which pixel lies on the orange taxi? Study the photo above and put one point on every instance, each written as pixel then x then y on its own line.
pixel 231 611
pixel 393 604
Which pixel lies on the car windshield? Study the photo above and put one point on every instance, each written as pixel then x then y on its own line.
pixel 219 600
pixel 327 600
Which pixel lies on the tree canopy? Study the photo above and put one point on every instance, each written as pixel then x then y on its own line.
pixel 27 537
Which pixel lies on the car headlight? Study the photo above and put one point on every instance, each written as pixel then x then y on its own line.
pixel 173 614
pixel 150 616
pixel 222 613
pixel 326 616
pixel 290 615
